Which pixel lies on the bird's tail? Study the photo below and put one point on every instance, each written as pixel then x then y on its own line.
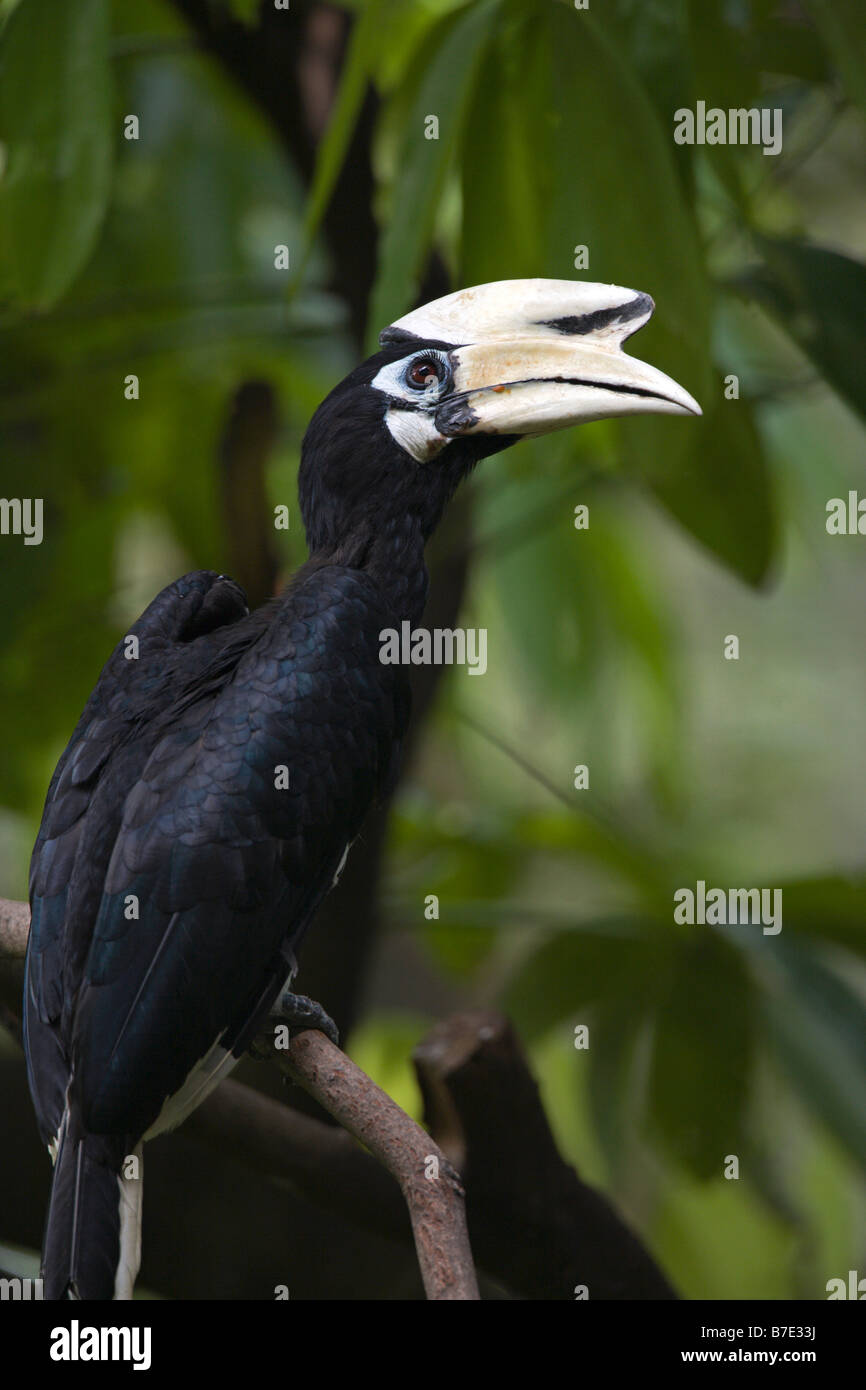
pixel 93 1231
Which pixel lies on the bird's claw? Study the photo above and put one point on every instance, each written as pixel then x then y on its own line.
pixel 297 1012
pixel 452 1177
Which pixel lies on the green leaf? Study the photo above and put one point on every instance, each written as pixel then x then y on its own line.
pixel 721 490
pixel 365 38
pixel 782 43
pixel 722 70
pixel 597 962
pixel 635 627
pixel 615 1034
pixel 536 581
pixel 55 125
pixel 818 1028
pixel 702 1055
pixel 830 908
pixel 655 38
pixel 840 24
pixel 444 93
pixel 819 297
pixel 503 178
pixel 615 190
pixel 247 11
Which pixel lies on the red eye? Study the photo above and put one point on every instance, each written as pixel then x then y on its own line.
pixel 423 372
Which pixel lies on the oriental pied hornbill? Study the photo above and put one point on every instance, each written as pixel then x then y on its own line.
pixel 175 874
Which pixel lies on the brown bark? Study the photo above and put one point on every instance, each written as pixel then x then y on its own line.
pixel 531 1218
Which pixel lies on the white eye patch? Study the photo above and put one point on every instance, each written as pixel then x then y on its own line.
pixel 412 425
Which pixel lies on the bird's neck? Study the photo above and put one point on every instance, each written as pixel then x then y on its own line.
pixel 390 551
pixel 395 561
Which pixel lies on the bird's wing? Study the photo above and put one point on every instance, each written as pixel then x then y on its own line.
pixel 84 802
pixel 230 838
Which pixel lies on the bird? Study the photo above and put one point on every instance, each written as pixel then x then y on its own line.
pixel 226 759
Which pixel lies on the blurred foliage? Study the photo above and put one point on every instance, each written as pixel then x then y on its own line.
pixel 155 257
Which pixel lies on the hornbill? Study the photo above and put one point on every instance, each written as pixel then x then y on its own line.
pixel 226 759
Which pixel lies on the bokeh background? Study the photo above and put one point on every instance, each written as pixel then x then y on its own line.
pixel 155 257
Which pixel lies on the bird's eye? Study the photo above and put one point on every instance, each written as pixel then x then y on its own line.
pixel 423 372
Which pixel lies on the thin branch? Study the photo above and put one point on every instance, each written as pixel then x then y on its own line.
pixel 427 1180
pixel 14 928
pixel 537 1229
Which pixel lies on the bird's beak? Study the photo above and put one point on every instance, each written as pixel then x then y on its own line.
pixel 532 356
pixel 533 386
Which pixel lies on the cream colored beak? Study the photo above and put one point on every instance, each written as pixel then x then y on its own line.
pixel 535 386
pixel 531 356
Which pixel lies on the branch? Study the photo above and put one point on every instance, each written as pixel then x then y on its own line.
pixel 436 1207
pixel 535 1227
pixel 14 927
pixel 531 1218
pixel 429 1184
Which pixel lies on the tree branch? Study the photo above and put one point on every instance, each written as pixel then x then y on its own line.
pixel 531 1218
pixel 535 1226
pixel 428 1182
pixel 14 927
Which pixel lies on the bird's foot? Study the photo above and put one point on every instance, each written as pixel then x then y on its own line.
pixel 295 1012
pixel 300 1012
pixel 452 1177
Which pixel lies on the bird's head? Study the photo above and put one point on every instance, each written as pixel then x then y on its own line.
pixel 465 377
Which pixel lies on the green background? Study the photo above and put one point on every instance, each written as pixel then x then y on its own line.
pixel 605 646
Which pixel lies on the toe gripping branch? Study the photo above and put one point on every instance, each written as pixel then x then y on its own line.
pixel 296 1012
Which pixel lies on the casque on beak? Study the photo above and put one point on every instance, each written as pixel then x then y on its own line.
pixel 531 356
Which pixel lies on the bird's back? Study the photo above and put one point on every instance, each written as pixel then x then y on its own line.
pixel 175 636
pixel 167 908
